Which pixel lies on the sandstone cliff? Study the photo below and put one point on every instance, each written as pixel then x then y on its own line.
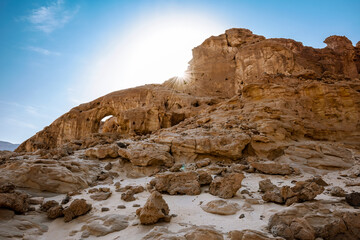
pixel 283 89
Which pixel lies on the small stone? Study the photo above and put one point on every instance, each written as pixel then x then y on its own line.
pixel 105 209
pixel 66 199
pixel 242 216
pixel 121 207
pixel 136 205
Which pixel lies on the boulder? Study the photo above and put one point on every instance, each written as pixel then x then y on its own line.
pixel 301 192
pixel 55 212
pixel 250 235
pixel 273 168
pixel 102 152
pixel 337 192
pixel 353 199
pixel 314 220
pixel 220 207
pixel 154 209
pixel 15 201
pixel 101 226
pixel 147 154
pixel 226 187
pixel 77 208
pixel 177 183
pixel 101 196
pixel 204 234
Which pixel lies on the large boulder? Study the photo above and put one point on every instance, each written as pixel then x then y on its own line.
pixel 77 208
pixel 154 209
pixel 313 220
pixel 177 183
pixel 101 152
pixel 226 187
pixel 101 226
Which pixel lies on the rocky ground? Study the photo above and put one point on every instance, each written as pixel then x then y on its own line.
pixel 260 141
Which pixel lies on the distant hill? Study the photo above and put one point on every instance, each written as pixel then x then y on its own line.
pixel 7 146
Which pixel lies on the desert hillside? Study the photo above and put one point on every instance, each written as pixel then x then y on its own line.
pixel 259 140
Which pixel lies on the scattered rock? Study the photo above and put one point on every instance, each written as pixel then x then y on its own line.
pixel 353 199
pixel 154 209
pixel 55 212
pixel 302 191
pixel 105 209
pixel 47 205
pixel 226 187
pixel 273 168
pixel 136 205
pixel 337 192
pixel 121 207
pixel 15 201
pixel 203 163
pixel 220 207
pixel 77 208
pixel 204 177
pixel 100 196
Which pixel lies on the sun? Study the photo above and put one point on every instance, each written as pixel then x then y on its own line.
pixel 155 49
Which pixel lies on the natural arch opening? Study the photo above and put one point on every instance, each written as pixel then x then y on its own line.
pixel 102 122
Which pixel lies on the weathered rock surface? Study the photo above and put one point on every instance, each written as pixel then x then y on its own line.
pixel 337 192
pixel 154 209
pixel 177 183
pixel 77 208
pixel 101 226
pixel 50 175
pixel 226 187
pixel 221 207
pixel 203 234
pixel 312 220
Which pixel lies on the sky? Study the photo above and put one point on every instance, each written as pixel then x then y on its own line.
pixel 57 54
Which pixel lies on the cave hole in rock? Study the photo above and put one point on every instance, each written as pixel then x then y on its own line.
pixel 103 121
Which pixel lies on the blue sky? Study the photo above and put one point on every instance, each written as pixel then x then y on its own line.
pixel 56 54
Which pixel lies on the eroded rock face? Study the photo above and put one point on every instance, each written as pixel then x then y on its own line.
pixel 140 110
pixel 154 209
pixel 310 221
pixel 226 187
pixel 177 183
pixel 77 208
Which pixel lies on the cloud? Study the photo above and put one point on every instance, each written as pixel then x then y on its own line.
pixel 43 51
pixel 48 18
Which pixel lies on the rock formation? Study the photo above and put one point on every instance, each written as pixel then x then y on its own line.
pixel 248 109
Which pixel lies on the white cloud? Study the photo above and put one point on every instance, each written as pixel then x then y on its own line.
pixel 43 51
pixel 48 18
